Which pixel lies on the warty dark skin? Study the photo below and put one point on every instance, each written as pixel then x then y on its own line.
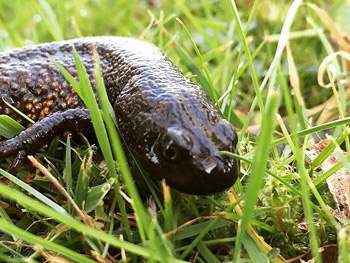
pixel 168 122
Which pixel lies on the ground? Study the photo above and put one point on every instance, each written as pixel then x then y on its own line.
pixel 264 59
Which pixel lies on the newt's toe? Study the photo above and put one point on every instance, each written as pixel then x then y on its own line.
pixel 17 162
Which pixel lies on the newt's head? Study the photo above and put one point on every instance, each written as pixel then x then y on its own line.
pixel 177 135
pixel 175 131
pixel 190 160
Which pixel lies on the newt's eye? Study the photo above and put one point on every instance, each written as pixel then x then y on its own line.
pixel 174 146
pixel 170 152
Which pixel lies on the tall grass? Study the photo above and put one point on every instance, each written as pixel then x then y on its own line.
pixel 236 51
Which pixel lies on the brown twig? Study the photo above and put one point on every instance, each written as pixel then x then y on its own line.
pixel 126 198
pixel 130 218
pixel 265 248
pixel 16 243
pixel 291 260
pixel 188 223
pixel 57 184
pixel 11 209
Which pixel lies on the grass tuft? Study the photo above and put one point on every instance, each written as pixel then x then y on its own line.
pixel 265 64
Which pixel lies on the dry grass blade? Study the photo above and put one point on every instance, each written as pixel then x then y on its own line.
pixel 331 26
pixel 294 77
pixel 265 248
pixel 51 258
pixel 188 223
pixel 124 260
pixel 57 184
pixel 338 183
pixel 327 110
pixel 100 259
pixel 322 70
pixel 283 40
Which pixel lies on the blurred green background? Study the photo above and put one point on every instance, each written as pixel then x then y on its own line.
pixel 210 24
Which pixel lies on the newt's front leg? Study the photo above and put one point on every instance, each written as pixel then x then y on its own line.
pixel 31 140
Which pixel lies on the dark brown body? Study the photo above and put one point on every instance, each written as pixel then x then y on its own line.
pixel 168 122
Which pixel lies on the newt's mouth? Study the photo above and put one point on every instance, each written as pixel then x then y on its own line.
pixel 216 177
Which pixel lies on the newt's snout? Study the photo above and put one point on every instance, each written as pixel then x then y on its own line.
pixel 214 176
pixel 189 159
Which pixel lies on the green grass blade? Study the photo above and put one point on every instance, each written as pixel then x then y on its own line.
pixel 33 192
pixel 207 254
pixel 101 133
pixel 198 239
pixel 280 48
pixel 49 18
pixel 321 127
pixel 71 80
pixel 35 240
pixel 81 190
pixel 196 229
pixel 322 178
pixel 258 168
pixel 9 127
pixel 68 167
pixel 95 196
pixel 191 64
pixel 34 205
pixel 248 54
pixel 213 90
pixel 247 63
pixel 254 251
pixel 19 112
pixel 117 149
pixel 194 21
pixel 329 149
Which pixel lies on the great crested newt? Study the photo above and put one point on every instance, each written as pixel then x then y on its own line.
pixel 168 122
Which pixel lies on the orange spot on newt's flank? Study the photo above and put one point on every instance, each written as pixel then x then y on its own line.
pixel 4 180
pixel 63 105
pixel 39 106
pixel 35 101
pixel 45 88
pixel 49 103
pixel 28 106
pixel 22 91
pixel 66 134
pixel 54 85
pixel 31 176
